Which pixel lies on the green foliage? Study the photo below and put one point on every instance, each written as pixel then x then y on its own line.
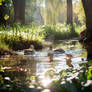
pixel 20 35
pixel 89 75
pixel 79 12
pixel 75 80
pixel 5 7
pixel 3 46
pixel 61 31
pixel 30 10
pixel 32 77
pixel 79 28
pixel 52 11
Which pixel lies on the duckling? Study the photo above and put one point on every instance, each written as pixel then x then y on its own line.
pixel 68 60
pixel 30 51
pixel 50 53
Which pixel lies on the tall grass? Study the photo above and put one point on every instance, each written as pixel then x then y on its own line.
pixel 3 46
pixel 20 36
pixel 60 31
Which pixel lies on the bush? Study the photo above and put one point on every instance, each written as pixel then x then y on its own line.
pixel 59 32
pixel 75 80
pixel 21 36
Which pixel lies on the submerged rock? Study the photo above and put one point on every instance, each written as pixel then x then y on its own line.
pixel 59 51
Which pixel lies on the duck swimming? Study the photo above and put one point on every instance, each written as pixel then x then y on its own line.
pixel 51 52
pixel 30 51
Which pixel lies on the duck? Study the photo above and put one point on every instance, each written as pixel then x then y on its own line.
pixel 30 51
pixel 52 51
pixel 59 51
pixel 56 51
pixel 68 60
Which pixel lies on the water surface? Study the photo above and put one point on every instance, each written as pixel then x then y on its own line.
pixel 39 63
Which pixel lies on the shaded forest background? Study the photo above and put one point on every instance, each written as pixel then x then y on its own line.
pixel 42 12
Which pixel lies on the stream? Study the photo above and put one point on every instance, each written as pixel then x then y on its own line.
pixel 38 65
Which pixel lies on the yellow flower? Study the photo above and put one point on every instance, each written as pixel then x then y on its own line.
pixel 6 17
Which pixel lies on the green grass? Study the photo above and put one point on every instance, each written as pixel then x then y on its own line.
pixel 74 80
pixel 61 31
pixel 3 46
pixel 19 35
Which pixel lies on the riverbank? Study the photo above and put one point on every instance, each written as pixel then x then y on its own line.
pixel 21 37
pixel 19 46
pixel 6 53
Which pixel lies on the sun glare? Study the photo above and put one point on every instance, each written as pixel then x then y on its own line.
pixel 46 81
pixel 46 90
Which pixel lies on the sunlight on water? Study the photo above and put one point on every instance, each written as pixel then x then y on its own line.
pixel 40 65
pixel 46 90
pixel 46 81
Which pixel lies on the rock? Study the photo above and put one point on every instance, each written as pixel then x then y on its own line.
pixel 6 53
pixel 59 51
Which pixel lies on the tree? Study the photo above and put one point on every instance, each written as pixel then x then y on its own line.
pixel 2 13
pixel 87 4
pixel 52 11
pixel 30 9
pixel 19 11
pixel 69 12
pixel 78 13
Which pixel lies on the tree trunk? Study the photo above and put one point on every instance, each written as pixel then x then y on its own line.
pixel 87 4
pixel 69 12
pixel 19 11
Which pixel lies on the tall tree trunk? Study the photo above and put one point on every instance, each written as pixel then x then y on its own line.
pixel 19 11
pixel 69 12
pixel 87 4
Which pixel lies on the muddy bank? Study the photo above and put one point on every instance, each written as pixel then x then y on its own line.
pixel 20 46
pixel 23 44
pixel 6 53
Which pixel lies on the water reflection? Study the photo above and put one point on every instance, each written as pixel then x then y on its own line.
pixel 46 90
pixel 39 65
